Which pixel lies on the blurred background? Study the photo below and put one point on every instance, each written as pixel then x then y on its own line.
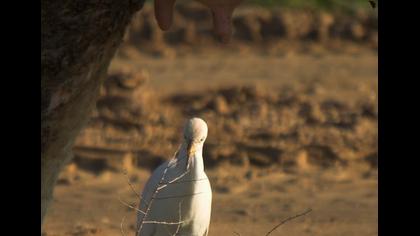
pixel 291 105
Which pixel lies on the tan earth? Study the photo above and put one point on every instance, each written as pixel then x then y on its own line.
pixel 290 128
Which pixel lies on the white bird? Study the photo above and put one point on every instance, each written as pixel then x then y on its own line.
pixel 176 199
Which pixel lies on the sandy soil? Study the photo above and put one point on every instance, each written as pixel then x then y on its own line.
pixel 252 198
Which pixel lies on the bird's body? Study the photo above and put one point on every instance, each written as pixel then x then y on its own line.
pixel 177 197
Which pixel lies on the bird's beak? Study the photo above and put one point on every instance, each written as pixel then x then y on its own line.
pixel 190 152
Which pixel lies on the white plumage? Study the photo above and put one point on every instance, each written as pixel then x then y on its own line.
pixel 177 197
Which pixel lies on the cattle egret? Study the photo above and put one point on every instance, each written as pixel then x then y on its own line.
pixel 176 199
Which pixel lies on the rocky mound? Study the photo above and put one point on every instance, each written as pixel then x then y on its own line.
pixel 193 24
pixel 294 128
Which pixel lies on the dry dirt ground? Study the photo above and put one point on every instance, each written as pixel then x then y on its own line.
pixel 303 137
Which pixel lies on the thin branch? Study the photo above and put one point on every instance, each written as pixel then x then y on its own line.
pixel 179 218
pixel 131 186
pixel 161 185
pixel 151 201
pixel 288 219
pixel 170 182
pixel 162 222
pixel 122 227
pixel 130 206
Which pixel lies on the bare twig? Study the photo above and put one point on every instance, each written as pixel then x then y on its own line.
pixel 130 206
pixel 288 219
pixel 161 185
pixel 179 219
pixel 131 186
pixel 151 201
pixel 122 227
pixel 170 182
pixel 162 222
pixel 173 223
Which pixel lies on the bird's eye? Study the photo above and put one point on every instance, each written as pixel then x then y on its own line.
pixel 202 139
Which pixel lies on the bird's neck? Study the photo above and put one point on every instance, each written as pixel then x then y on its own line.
pixel 197 163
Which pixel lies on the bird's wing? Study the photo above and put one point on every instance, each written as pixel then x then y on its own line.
pixel 149 189
pixel 207 232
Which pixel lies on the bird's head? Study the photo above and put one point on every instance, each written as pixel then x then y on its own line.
pixel 195 133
